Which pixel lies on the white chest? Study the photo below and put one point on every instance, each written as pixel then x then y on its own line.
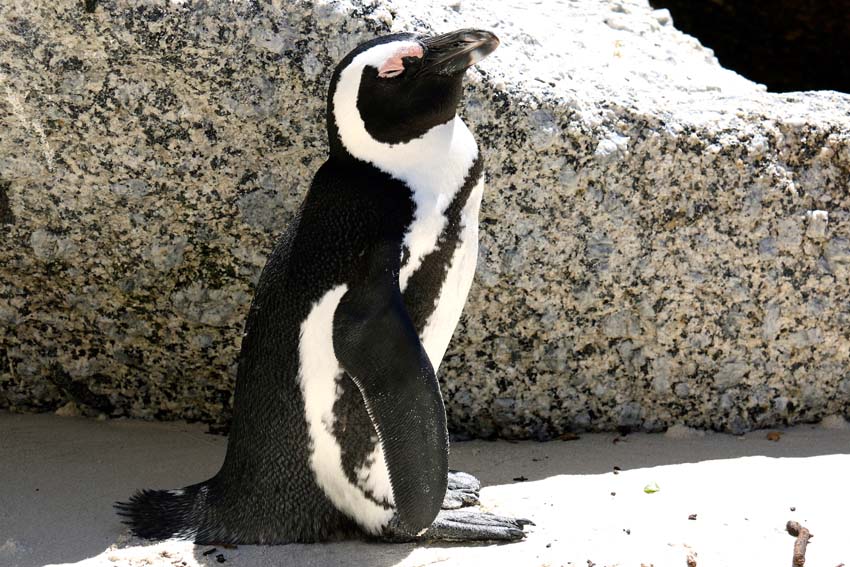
pixel 446 155
pixel 441 324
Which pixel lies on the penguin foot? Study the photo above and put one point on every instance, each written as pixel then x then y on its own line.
pixel 463 490
pixel 472 525
pixel 463 525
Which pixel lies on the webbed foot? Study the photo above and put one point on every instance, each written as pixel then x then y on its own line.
pixel 463 525
pixel 463 490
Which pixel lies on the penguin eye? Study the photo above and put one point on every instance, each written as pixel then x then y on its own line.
pixel 412 63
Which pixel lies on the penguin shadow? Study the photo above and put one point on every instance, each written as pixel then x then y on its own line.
pixel 92 545
pixel 60 476
pixel 347 553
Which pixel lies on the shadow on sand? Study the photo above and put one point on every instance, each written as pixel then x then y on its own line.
pixel 60 476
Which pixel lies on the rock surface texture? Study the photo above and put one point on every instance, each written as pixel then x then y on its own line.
pixel 662 240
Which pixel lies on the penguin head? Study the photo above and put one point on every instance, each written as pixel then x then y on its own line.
pixel 396 88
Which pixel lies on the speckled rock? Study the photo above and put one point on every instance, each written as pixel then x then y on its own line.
pixel 663 242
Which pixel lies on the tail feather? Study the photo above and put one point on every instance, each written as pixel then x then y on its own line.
pixel 161 514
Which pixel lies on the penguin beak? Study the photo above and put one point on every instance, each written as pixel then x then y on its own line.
pixel 455 52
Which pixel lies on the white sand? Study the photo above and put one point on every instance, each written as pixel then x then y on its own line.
pixel 59 477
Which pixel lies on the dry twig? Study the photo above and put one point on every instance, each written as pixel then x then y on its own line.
pixel 803 536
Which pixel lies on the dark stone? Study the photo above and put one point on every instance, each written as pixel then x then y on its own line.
pixel 789 45
pixel 79 392
pixel 6 216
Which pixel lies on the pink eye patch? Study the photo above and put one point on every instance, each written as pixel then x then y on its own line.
pixel 394 66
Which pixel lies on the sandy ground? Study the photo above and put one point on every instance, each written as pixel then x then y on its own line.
pixel 59 477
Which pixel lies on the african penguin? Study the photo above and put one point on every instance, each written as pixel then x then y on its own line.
pixel 338 423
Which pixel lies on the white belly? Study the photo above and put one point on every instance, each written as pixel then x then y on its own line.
pixel 319 371
pixel 441 325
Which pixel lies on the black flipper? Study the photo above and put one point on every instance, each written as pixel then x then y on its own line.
pixel 377 344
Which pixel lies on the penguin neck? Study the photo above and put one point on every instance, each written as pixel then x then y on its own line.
pixel 438 161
